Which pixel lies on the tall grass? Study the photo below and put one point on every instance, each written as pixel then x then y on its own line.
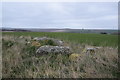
pixel 19 61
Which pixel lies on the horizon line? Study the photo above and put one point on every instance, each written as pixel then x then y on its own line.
pixel 58 28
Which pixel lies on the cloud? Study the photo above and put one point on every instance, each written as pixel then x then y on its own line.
pixel 60 15
pixel 0 14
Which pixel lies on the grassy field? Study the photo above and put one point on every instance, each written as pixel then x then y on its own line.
pixel 19 59
pixel 91 39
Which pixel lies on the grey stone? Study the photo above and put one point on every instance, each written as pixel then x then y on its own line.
pixel 91 50
pixel 53 50
pixel 56 41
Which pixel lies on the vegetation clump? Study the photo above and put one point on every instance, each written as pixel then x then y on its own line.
pixel 35 43
pixel 8 43
pixel 74 56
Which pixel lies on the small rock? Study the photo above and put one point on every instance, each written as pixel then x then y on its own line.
pixel 98 47
pixel 91 50
pixel 21 37
pixel 36 38
pixel 28 42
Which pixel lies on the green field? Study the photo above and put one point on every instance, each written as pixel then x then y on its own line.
pixel 91 39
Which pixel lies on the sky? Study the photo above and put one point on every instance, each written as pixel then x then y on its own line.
pixel 74 15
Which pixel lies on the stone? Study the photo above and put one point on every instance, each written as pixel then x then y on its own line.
pixel 56 41
pixel 47 49
pixel 21 37
pixel 91 50
pixel 98 47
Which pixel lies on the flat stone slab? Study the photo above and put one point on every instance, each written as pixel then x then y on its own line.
pixel 53 50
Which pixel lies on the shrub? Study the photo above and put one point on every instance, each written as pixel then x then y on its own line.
pixel 48 42
pixel 7 43
pixel 74 56
pixel 35 43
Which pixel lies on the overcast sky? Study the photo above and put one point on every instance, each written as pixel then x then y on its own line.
pixel 78 15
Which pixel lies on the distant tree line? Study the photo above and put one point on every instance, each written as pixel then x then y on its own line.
pixel 16 30
pixel 103 33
